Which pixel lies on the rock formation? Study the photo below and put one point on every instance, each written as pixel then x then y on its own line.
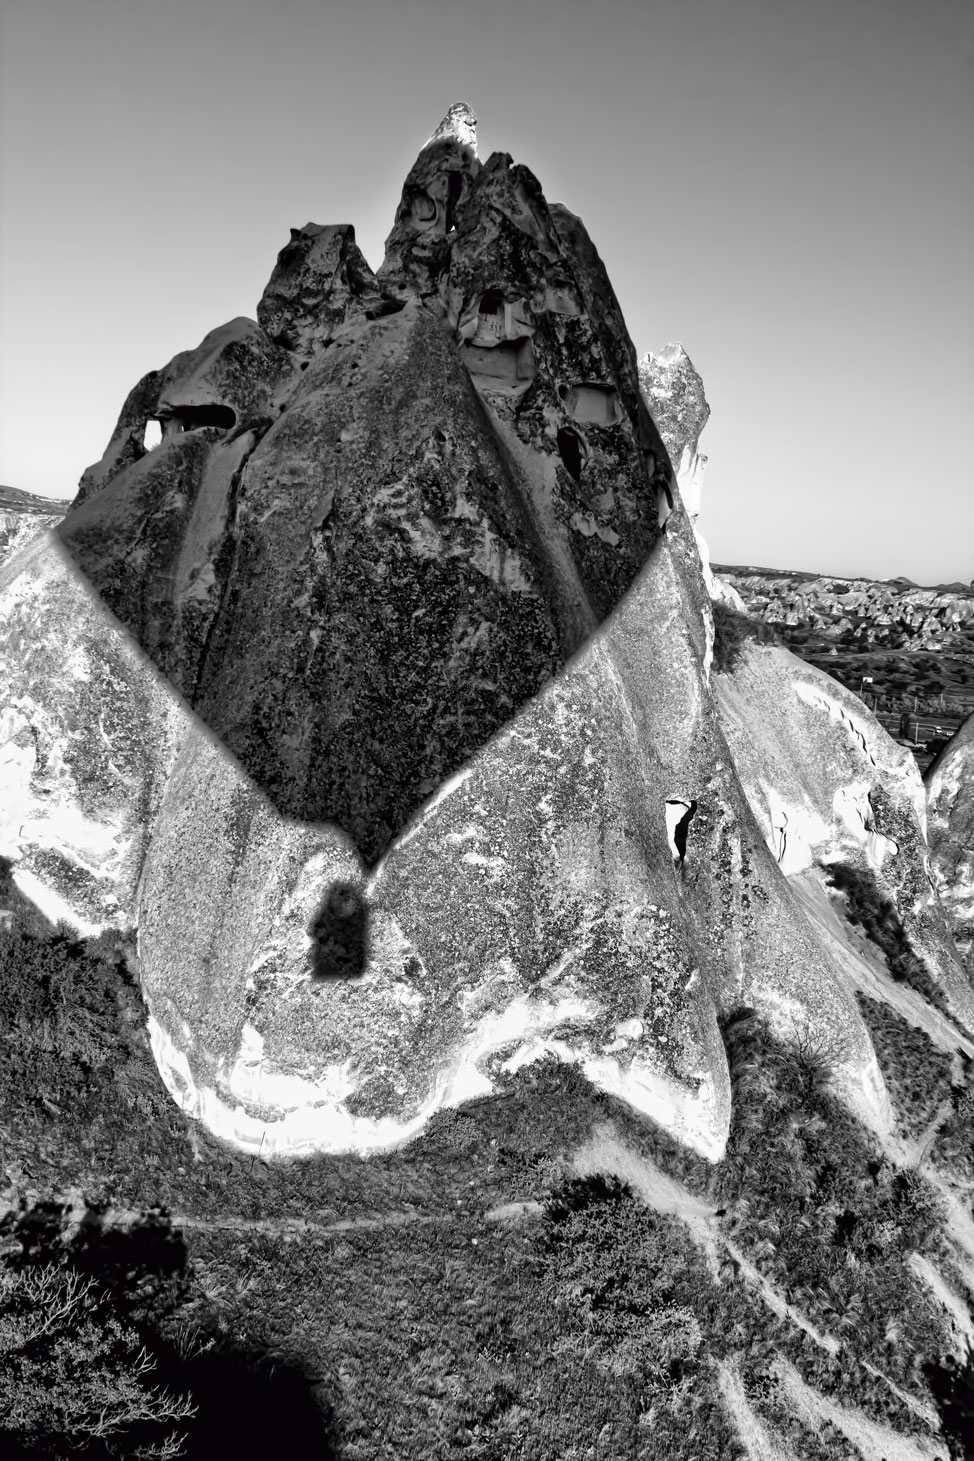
pixel 673 390
pixel 950 832
pixel 393 658
pixel 897 615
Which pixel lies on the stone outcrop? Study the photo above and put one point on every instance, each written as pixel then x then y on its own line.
pixel 392 660
pixel 673 391
pixel 950 831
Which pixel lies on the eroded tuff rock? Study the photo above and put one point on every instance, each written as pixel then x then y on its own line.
pixel 830 789
pixel 361 546
pixel 88 734
pixel 673 391
pixel 427 624
pixel 950 831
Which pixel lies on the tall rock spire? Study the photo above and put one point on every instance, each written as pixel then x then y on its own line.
pixel 417 249
pixel 459 126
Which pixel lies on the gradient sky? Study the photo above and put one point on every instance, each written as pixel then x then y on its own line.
pixel 785 186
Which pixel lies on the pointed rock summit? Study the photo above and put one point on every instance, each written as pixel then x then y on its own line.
pixel 459 126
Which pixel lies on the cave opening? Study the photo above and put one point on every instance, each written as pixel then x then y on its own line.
pixel 571 451
pixel 193 418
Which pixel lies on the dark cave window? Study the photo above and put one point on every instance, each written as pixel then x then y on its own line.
pixel 571 452
pixel 193 418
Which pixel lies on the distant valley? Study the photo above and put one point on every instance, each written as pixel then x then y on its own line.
pixel 908 650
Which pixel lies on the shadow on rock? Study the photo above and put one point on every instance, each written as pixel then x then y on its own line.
pixel 340 934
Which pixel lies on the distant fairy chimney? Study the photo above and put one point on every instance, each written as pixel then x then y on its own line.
pixel 459 125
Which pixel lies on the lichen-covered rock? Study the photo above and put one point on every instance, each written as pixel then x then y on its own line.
pixel 950 832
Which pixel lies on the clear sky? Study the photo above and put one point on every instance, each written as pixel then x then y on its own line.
pixel 785 186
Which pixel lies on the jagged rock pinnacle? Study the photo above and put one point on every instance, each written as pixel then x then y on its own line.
pixel 459 125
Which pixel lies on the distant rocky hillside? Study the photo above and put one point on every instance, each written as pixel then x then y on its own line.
pixel 24 515
pixel 893 614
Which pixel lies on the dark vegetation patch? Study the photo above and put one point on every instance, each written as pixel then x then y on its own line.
pixel 953 1149
pixel 732 632
pixel 868 908
pixel 916 1073
pixel 594 1327
pixel 823 1215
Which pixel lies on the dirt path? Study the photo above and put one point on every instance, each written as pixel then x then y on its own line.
pixel 604 1152
pixel 751 1430
pixel 874 1442
pixel 956 1307
pixel 120 1219
pixel 916 1152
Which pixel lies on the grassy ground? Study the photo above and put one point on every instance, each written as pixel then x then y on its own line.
pixel 594 1328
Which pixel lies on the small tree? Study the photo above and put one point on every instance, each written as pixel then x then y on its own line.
pixel 74 1379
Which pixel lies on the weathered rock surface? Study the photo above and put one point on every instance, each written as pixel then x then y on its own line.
pixel 829 787
pixel 406 606
pixel 950 831
pixel 673 391
pixel 88 732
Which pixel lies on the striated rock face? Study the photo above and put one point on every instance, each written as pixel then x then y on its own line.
pixel 950 829
pixel 392 659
